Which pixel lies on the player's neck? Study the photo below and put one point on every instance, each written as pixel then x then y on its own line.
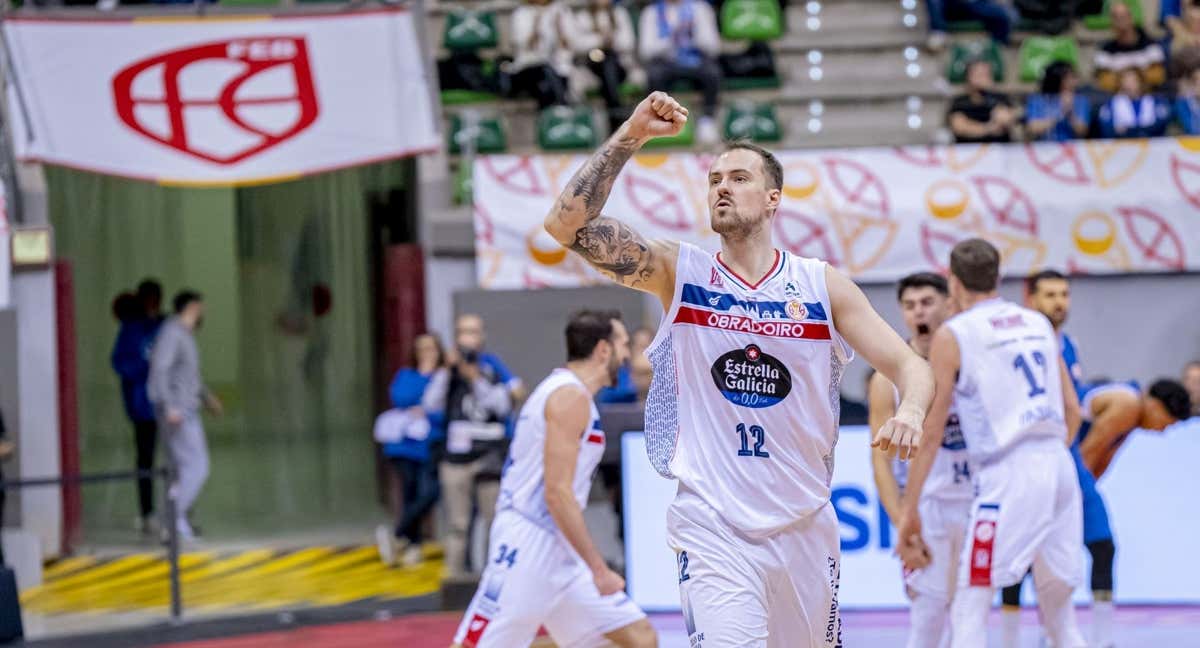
pixel 751 257
pixel 593 377
pixel 971 299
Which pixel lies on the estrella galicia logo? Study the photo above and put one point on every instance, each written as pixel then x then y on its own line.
pixel 954 437
pixel 751 378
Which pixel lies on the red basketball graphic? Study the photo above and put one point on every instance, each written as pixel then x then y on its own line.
pixel 515 173
pixel 936 243
pixel 659 204
pixel 922 156
pixel 1059 161
pixel 804 235
pixel 1153 237
pixel 858 186
pixel 1186 176
pixel 484 232
pixel 223 101
pixel 1009 206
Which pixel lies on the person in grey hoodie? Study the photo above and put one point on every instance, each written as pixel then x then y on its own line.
pixel 177 392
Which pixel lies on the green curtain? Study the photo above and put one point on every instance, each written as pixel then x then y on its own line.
pixel 288 340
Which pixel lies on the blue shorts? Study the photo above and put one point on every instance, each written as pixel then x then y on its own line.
pixel 1095 514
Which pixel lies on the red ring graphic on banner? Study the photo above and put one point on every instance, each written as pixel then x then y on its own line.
pixel 1162 245
pixel 930 238
pixel 867 193
pixel 521 168
pixel 1181 172
pixel 810 232
pixel 992 189
pixel 661 199
pixel 484 231
pixel 927 158
pixel 1058 161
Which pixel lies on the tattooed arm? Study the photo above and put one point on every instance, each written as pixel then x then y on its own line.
pixel 609 245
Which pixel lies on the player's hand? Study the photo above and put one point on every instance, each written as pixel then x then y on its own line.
pixel 914 553
pixel 658 115
pixel 608 581
pixel 901 432
pixel 174 416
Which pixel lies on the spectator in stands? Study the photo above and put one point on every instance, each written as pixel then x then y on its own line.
pixel 606 39
pixel 980 115
pixel 1058 113
pixel 1133 112
pixel 996 17
pixel 476 392
pixel 140 316
pixel 1185 29
pixel 176 389
pixel 1191 382
pixel 1187 103
pixel 411 453
pixel 679 41
pixel 1130 47
pixel 543 41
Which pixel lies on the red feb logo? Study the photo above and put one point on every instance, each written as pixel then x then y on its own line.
pixel 475 629
pixel 221 102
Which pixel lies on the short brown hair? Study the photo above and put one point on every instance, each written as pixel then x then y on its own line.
pixel 976 263
pixel 771 166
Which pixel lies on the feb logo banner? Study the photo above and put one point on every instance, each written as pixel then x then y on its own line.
pixel 220 101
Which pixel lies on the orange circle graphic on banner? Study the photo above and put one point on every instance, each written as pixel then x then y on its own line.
pixel 651 161
pixel 1189 143
pixel 547 257
pixel 810 180
pixel 1094 233
pixel 947 199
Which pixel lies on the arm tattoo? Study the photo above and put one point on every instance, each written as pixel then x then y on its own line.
pixel 615 249
pixel 594 180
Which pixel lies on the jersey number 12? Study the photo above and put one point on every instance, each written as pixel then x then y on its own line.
pixel 760 438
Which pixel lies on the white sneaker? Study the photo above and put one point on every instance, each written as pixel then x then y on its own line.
pixel 386 543
pixel 412 556
pixel 706 131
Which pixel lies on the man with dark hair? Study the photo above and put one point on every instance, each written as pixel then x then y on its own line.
pixel 747 365
pixel 543 567
pixel 980 114
pixel 141 318
pixel 925 303
pixel 1049 293
pixel 999 363
pixel 1111 411
pixel 177 391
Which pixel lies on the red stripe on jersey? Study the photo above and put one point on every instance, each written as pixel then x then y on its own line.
pixel 771 328
pixel 983 537
pixel 595 438
pixel 761 280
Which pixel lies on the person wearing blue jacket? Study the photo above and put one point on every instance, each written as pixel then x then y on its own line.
pixel 140 315
pixel 414 459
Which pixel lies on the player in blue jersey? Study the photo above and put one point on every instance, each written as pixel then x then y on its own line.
pixel 1111 411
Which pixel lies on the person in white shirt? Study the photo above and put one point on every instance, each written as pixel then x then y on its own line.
pixel 543 568
pixel 679 41
pixel 605 38
pixel 543 47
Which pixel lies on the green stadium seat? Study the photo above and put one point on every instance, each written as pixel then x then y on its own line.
pixel 565 128
pixel 756 20
pixel 470 30
pixel 460 97
pixel 463 183
pixel 967 51
pixel 487 133
pixel 750 83
pixel 684 139
pixel 752 121
pixel 1037 52
pixel 1101 21
pixel 964 26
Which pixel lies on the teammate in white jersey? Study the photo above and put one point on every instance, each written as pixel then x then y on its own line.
pixel 946 503
pixel 1000 365
pixel 743 409
pixel 543 568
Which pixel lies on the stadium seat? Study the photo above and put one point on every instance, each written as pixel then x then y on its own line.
pixel 685 138
pixel 750 83
pixel 755 20
pixel 564 128
pixel 463 186
pixel 967 51
pixel 964 26
pixel 1101 21
pixel 752 121
pixel 470 30
pixel 487 133
pixel 1037 52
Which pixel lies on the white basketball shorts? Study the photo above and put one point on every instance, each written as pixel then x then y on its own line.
pixel 943 527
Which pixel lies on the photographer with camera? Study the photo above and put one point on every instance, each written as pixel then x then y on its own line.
pixel 477 392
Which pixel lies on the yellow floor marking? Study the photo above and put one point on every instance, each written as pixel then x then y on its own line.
pixel 66 566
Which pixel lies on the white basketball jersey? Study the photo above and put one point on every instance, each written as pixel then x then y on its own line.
pixel 522 482
pixel 1009 386
pixel 950 476
pixel 743 408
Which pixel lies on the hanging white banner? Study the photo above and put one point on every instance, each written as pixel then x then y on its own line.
pixel 220 100
pixel 878 214
pixel 5 253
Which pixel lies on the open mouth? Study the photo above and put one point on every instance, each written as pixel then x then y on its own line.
pixel 922 329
